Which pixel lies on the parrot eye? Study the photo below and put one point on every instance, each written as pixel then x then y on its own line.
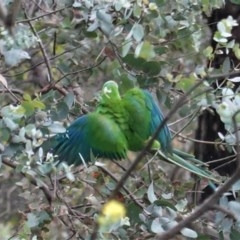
pixel 107 90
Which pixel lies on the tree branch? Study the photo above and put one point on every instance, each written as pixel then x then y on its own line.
pixel 44 53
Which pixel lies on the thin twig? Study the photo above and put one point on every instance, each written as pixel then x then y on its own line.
pixel 41 62
pixel 12 90
pixel 44 53
pixel 11 93
pixel 51 86
pixel 82 70
pixel 42 16
pixel 187 124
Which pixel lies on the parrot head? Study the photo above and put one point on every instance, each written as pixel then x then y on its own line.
pixel 110 91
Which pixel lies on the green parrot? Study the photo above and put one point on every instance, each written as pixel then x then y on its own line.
pixel 120 124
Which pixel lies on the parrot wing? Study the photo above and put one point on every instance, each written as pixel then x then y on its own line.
pixel 90 134
pixel 164 136
pixel 145 116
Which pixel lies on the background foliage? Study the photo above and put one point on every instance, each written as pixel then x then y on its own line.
pixel 54 59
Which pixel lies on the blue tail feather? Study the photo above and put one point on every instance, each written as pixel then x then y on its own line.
pixel 164 137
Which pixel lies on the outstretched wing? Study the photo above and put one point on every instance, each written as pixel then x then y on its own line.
pixel 92 133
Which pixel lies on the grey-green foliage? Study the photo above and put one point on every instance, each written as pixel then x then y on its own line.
pixel 12 47
pixel 160 44
pixel 160 217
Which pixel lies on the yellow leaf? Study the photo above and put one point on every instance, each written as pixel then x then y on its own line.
pixel 112 212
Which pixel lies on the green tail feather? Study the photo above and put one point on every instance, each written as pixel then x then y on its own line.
pixel 188 162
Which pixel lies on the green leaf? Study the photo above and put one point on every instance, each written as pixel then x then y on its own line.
pixel 226 67
pixel 89 34
pixel 38 104
pixel 145 50
pixel 151 68
pixel 127 82
pixel 133 212
pixel 236 50
pixel 137 10
pixel 133 62
pixel 208 52
pixel 4 135
pixel 46 168
pixel 165 203
pixel 161 50
pixel 186 83
pixel 28 108
pixel 234 235
pixel 203 237
pixel 27 97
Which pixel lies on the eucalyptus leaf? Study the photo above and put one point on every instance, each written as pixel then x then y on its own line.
pixel 234 206
pixel 156 226
pixel 236 186
pixel 138 32
pixel 61 111
pixel 150 193
pixel 69 99
pixel 126 47
pixel 32 220
pixel 234 80
pixel 10 123
pixel 105 21
pixel 56 128
pixel 14 56
pixel 187 232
